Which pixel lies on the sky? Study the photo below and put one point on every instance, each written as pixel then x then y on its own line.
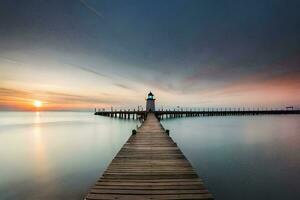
pixel 82 54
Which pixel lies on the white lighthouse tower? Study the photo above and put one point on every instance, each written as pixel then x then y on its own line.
pixel 150 104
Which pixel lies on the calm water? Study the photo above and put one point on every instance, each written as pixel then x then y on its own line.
pixel 243 157
pixel 56 155
pixel 60 155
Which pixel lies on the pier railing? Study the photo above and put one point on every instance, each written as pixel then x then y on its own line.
pixel 164 114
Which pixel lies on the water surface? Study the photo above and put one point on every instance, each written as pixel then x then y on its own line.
pixel 60 155
pixel 56 155
pixel 243 157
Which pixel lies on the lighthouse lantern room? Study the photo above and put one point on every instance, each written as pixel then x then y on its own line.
pixel 150 103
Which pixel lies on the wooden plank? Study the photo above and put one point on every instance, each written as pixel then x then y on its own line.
pixel 152 191
pixel 154 181
pixel 150 187
pixel 149 197
pixel 149 166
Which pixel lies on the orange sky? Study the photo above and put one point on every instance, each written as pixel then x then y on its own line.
pixel 276 91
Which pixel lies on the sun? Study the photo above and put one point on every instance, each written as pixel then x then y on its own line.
pixel 37 103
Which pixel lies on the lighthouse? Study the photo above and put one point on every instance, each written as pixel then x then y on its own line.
pixel 150 103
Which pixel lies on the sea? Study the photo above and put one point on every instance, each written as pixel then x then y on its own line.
pixel 60 155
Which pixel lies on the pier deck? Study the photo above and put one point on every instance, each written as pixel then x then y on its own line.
pixel 149 166
pixel 164 114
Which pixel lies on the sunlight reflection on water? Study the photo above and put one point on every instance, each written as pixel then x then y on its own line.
pixel 55 155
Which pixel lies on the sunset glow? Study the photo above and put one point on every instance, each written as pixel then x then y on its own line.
pixel 37 103
pixel 88 60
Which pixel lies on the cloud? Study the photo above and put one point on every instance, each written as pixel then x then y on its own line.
pixel 261 88
pixel 123 86
pixel 22 99
pixel 13 61
pixel 88 70
pixel 96 12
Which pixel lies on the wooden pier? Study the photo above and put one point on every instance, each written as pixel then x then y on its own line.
pixel 165 114
pixel 149 166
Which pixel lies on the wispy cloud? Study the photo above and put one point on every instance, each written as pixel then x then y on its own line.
pixel 123 86
pixel 12 60
pixel 88 6
pixel 87 69
pixel 258 89
pixel 22 99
